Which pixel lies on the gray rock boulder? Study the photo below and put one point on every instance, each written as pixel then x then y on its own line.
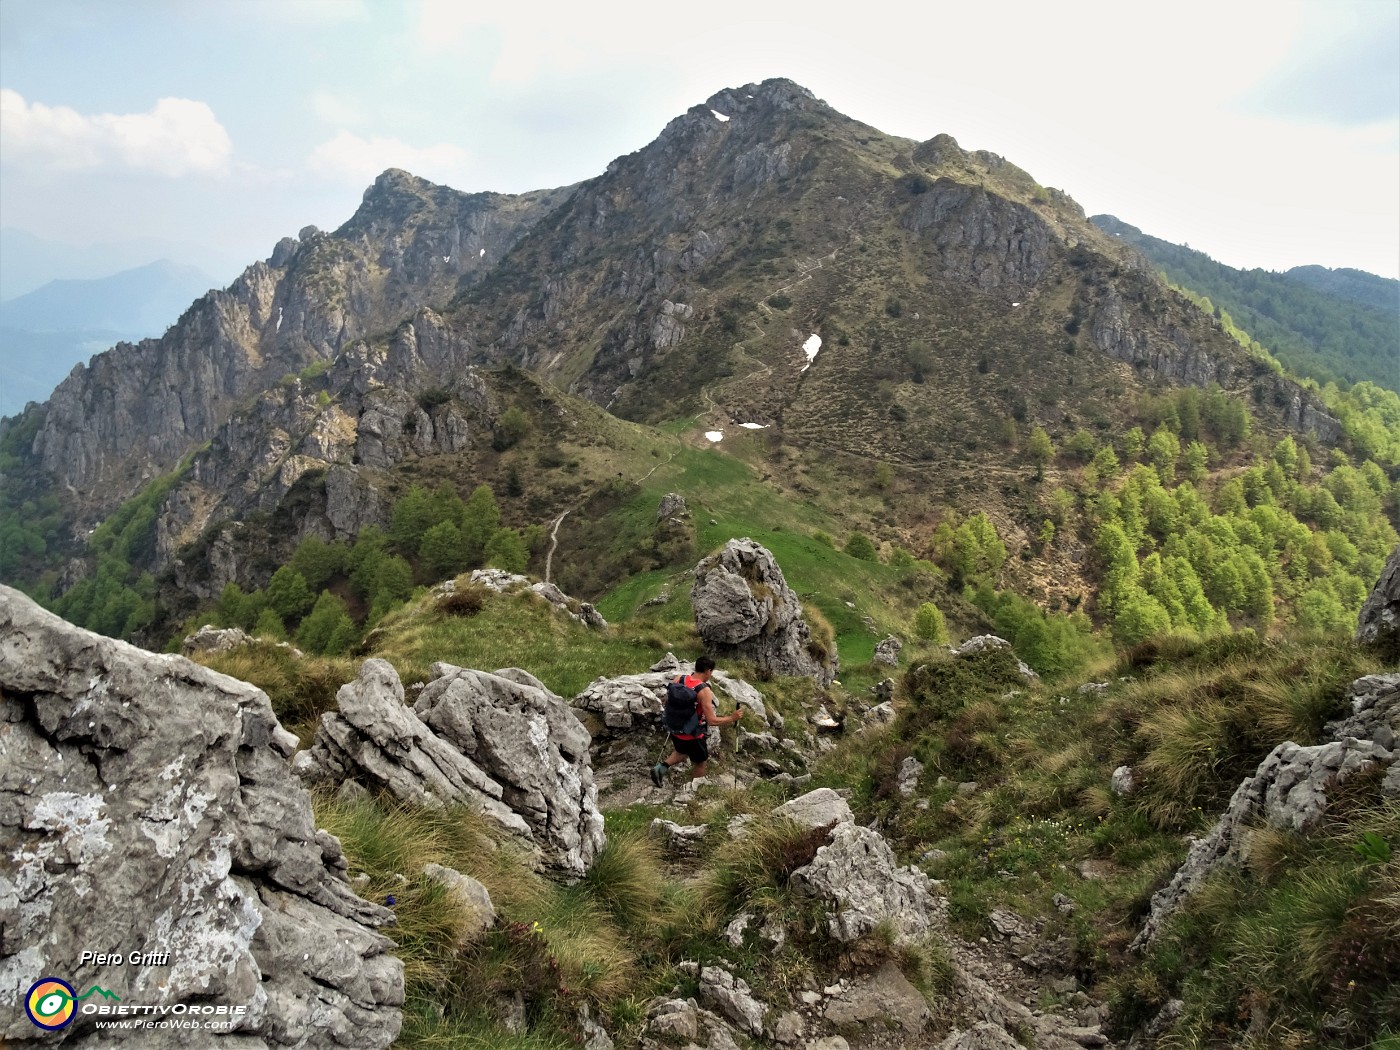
pixel 148 804
pixel 376 739
pixel 910 770
pixel 678 838
pixel 731 997
pixel 635 701
pixel 982 1036
pixel 469 897
pixel 983 642
pixel 745 610
pixel 211 639
pixel 672 506
pixel 856 876
pixel 887 651
pixel 1381 612
pixel 508 748
pixel 1289 790
pixel 879 1002
pixel 532 744
pixel 817 808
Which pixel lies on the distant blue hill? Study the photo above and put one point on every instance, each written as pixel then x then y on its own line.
pixel 44 333
pixel 146 300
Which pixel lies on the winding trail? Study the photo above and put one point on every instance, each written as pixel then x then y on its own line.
pixel 553 543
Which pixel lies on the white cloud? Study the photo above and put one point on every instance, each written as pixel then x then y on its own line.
pixel 352 159
pixel 179 136
pixel 335 109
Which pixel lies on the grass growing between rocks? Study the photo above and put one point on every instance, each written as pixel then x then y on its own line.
pixel 560 947
pixel 1014 811
pixel 300 688
pixel 523 630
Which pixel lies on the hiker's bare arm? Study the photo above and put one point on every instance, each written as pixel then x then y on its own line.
pixel 706 699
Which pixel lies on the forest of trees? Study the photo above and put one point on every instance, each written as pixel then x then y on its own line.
pixel 1314 331
pixel 328 594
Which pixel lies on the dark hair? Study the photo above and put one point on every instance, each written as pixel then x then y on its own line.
pixel 705 663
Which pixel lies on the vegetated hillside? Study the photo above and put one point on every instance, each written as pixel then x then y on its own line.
pixel 984 352
pixel 1008 792
pixel 1339 326
pixel 1358 286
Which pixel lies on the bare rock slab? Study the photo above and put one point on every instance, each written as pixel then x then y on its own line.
pixel 147 804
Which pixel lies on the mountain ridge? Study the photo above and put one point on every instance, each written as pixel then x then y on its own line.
pixel 960 306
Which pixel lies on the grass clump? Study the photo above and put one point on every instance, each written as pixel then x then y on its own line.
pixel 558 946
pixel 301 688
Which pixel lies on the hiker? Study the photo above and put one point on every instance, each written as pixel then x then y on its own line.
pixel 690 711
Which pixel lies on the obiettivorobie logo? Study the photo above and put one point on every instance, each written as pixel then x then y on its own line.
pixel 52 1003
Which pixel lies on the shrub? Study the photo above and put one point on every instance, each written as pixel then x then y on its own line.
pixel 930 625
pixel 779 301
pixel 860 546
pixel 465 601
pixel 510 429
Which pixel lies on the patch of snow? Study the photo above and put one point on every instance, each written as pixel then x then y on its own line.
pixel 447 258
pixel 279 320
pixel 483 252
pixel 719 116
pixel 715 435
pixel 754 426
pixel 1015 304
pixel 810 348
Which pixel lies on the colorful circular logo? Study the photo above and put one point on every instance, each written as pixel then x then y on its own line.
pixel 49 1003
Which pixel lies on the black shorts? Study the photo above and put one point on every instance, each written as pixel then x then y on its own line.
pixel 696 750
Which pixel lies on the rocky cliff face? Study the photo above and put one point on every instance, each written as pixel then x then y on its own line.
pixel 414 395
pixel 148 809
pixel 136 410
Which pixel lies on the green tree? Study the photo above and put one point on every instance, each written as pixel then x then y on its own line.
pixel 319 561
pixel 884 475
pixel 1081 445
pixel 1047 535
pixel 1138 616
pixel 409 520
pixel 977 553
pixel 287 593
pixel 442 553
pixel 1040 450
pixel 1193 461
pixel 510 429
pixel 860 546
pixel 480 520
pixel 1105 463
pixel 392 584
pixel 930 625
pixel 269 625
pixel 327 628
pixel 1134 441
pixel 1162 451
pixel 506 550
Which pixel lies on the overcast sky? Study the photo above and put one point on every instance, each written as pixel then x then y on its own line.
pixel 1264 133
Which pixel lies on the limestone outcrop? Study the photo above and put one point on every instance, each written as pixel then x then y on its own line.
pixel 856 876
pixel 147 805
pixel 631 702
pixel 501 743
pixel 745 610
pixel 1290 790
pixel 1380 615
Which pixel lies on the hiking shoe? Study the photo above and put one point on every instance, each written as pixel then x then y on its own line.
pixel 658 774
